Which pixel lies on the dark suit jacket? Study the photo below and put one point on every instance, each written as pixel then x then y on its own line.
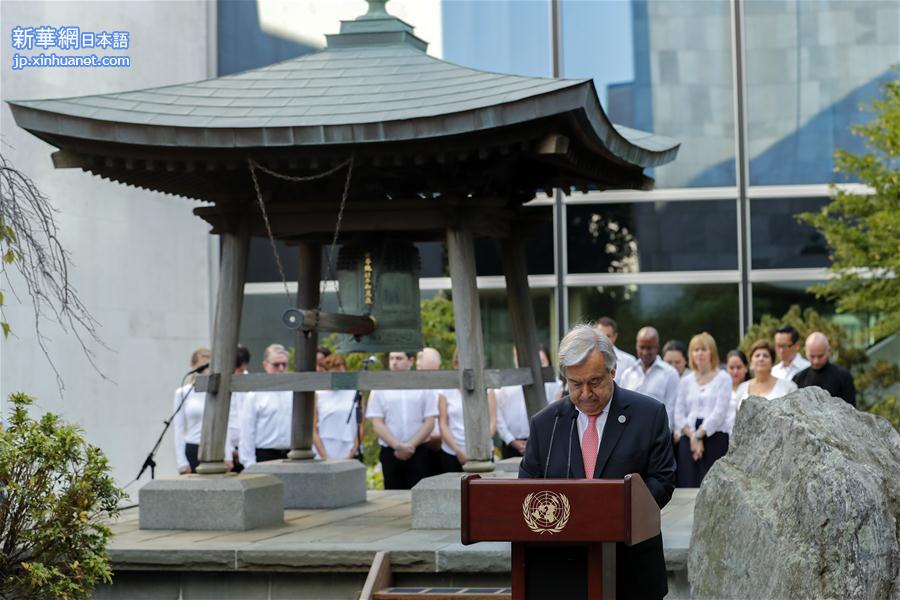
pixel 642 444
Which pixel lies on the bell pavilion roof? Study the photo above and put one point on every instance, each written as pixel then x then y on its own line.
pixel 373 90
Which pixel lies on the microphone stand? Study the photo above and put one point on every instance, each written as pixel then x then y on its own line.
pixel 149 462
pixel 357 408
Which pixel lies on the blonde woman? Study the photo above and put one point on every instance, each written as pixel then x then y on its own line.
pixel 703 413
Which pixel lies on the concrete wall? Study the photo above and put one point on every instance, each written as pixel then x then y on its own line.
pixel 141 261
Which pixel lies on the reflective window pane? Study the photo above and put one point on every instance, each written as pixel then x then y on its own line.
pixel 503 36
pixel 676 311
pixel 779 241
pixel 665 67
pixel 652 236
pixel 776 299
pixel 497 328
pixel 809 67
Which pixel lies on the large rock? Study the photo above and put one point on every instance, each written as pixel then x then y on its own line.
pixel 806 504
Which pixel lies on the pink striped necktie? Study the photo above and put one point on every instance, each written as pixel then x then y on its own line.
pixel 589 447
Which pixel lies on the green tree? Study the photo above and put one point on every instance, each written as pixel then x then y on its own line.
pixel 55 492
pixel 863 230
pixel 439 328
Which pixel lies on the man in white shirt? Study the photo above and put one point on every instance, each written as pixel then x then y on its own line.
pixel 650 375
pixel 787 347
pixel 266 416
pixel 403 420
pixel 623 360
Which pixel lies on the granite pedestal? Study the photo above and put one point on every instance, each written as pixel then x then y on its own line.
pixel 509 465
pixel 317 483
pixel 436 500
pixel 212 502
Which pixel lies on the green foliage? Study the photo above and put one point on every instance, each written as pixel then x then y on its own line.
pixel 7 236
pixel 439 328
pixel 56 492
pixel 863 231
pixel 871 380
pixel 888 408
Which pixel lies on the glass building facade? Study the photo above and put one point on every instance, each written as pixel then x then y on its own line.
pixel 759 93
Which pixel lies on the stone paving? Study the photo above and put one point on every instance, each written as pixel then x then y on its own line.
pixel 344 540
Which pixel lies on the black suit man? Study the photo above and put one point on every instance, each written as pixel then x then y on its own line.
pixel 615 431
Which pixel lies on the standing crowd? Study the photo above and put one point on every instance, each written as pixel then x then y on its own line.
pixel 421 432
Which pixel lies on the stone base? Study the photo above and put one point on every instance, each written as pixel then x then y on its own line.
pixel 509 465
pixel 436 500
pixel 206 502
pixel 317 483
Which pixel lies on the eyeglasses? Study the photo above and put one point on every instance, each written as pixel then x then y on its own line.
pixel 279 365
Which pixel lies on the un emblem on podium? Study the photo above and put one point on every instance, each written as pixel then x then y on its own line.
pixel 546 511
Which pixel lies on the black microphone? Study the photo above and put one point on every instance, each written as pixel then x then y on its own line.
pixel 198 369
pixel 370 360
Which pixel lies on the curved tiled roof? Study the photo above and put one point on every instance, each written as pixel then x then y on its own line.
pixel 373 83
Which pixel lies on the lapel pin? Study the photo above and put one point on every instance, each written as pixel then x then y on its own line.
pixel 621 418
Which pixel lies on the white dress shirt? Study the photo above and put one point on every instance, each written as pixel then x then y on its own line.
pixel 787 372
pixel 337 434
pixel 781 388
pixel 624 361
pixel 551 389
pixel 660 381
pixel 403 411
pixel 188 422
pixel 265 423
pixel 512 416
pixel 710 401
pixel 600 423
pixel 454 420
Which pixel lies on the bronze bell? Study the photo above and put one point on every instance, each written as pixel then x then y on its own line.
pixel 381 278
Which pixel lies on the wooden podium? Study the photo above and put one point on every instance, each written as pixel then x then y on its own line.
pixel 563 531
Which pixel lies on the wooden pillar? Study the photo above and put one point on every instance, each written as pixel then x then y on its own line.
pixel 521 314
pixel 232 274
pixel 470 346
pixel 309 281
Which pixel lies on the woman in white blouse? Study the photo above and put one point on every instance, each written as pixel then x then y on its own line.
pixel 188 421
pixel 452 426
pixel 762 357
pixel 702 413
pixel 335 437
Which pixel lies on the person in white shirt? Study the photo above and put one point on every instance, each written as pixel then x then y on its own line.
pixel 650 375
pixel 242 364
pixel 402 420
pixel 453 429
pixel 764 384
pixel 188 420
pixel 429 359
pixel 787 347
pixel 337 434
pixel 512 415
pixel 265 428
pixel 623 360
pixel 675 354
pixel 702 413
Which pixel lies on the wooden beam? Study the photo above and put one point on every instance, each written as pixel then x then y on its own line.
pixel 521 316
pixel 470 346
pixel 312 319
pixel 302 415
pixel 232 274
pixel 369 380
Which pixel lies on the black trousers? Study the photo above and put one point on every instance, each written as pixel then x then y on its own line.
pixel 507 451
pixel 264 454
pixel 403 474
pixel 450 464
pixel 690 472
pixel 191 451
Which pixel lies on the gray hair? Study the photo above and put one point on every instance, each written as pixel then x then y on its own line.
pixel 273 350
pixel 578 344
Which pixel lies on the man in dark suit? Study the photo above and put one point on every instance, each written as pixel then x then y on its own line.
pixel 613 432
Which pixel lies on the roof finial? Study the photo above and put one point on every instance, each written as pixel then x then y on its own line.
pixel 377 10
